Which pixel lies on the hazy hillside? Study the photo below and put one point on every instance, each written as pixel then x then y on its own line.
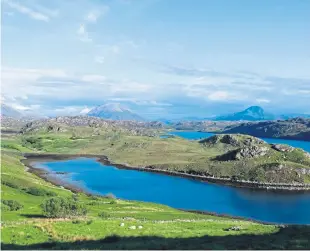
pixel 298 128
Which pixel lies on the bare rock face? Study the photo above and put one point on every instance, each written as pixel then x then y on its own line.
pixel 282 148
pixel 303 171
pixel 244 153
pixel 251 152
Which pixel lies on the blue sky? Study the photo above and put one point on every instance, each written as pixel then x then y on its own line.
pixel 161 58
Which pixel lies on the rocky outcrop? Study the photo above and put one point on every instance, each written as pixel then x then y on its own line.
pixel 282 148
pixel 251 152
pixel 244 153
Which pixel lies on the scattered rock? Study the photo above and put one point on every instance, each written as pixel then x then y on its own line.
pixel 282 148
pixel 122 224
pixel 140 227
pixel 132 227
pixel 234 228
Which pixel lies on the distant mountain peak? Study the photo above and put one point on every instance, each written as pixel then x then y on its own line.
pixel 115 107
pixel 9 111
pixel 114 111
pixel 252 113
pixel 255 111
pixel 255 108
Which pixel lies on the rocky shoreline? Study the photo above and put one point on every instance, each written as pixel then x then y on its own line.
pixel 35 157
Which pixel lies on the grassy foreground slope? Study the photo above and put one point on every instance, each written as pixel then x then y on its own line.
pixel 162 226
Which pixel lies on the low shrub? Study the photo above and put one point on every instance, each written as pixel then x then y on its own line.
pixel 58 207
pixel 110 196
pixel 39 192
pixel 12 205
pixel 93 197
pixel 32 142
pixel 104 215
pixel 10 146
pixel 9 184
pixel 93 203
pixel 5 208
pixel 75 197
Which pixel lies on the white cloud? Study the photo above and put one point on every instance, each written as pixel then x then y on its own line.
pixel 27 11
pixel 24 108
pixel 140 101
pixel 50 86
pixel 13 76
pixel 99 59
pixel 93 15
pixel 90 18
pixel 94 78
pixel 131 43
pixel 9 13
pixel 115 49
pixel 85 110
pixel 69 110
pixel 262 100
pixel 304 91
pixel 83 34
pixel 219 95
pixel 54 87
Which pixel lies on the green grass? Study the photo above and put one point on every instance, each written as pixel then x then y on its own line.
pixel 163 227
pixel 28 226
pixel 173 154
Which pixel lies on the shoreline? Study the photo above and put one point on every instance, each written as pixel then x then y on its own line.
pixel 30 159
pixel 39 157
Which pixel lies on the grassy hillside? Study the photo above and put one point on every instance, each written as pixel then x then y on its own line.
pixel 101 228
pixel 239 156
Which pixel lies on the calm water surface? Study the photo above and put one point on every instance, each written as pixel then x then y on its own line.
pixel 199 135
pixel 183 193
